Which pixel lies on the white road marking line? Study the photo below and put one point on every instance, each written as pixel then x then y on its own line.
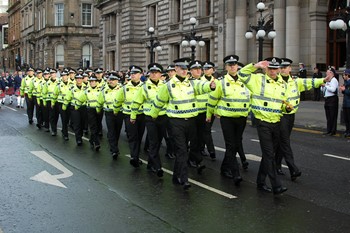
pixel 255 140
pixel 12 110
pixel 227 195
pixel 337 157
pixel 249 156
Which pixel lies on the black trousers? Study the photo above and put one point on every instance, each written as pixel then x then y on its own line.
pixel 46 118
pixel 93 118
pixel 30 107
pixel 204 133
pixel 232 129
pixel 135 133
pixel 170 147
pixel 201 124
pixel 38 111
pixel 268 136
pixel 100 117
pixel 114 125
pixel 284 150
pixel 182 131
pixel 317 94
pixel 346 112
pixel 155 132
pixel 64 119
pixel 53 115
pixel 331 107
pixel 78 117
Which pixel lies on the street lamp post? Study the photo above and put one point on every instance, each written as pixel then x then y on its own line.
pixel 341 21
pixel 261 29
pixel 191 39
pixel 154 44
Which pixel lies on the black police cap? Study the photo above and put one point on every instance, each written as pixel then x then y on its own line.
pixel 208 65
pixel 286 62
pixel 170 67
pixel 182 62
pixel 155 67
pixel 274 62
pixel 135 69
pixel 195 64
pixel 231 59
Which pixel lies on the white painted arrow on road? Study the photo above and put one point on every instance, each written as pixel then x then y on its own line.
pixel 45 176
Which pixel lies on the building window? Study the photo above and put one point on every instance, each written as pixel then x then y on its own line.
pixel 44 18
pixel 39 20
pixel 207 7
pixel 204 7
pixel 86 14
pixel 152 16
pixel 59 14
pixel 59 56
pixel 87 55
pixel 176 11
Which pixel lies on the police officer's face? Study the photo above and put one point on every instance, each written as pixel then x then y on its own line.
pixel 155 75
pixel 112 82
pixel 93 83
pixel 46 76
pixel 182 72
pixel 232 68
pixel 285 71
pixel 272 72
pixel 196 72
pixel 72 76
pixel 79 81
pixel 64 78
pixel 208 72
pixel 53 76
pixel 39 75
pixel 136 77
pixel 171 73
pixel 30 73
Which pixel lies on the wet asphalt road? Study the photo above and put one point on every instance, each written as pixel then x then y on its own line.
pixel 104 195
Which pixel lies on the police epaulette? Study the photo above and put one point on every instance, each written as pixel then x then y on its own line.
pixel 219 78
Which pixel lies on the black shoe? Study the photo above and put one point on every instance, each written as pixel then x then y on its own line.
pixel 186 185
pixel 135 163
pixel 53 134
pixel 280 172
pixel 279 190
pixel 192 163
pixel 30 122
pixel 79 142
pixel 115 155
pixel 200 168
pixel 176 180
pixel 65 138
pixel 11 103
pixel 17 106
pixel 204 153
pixel 212 156
pixel 295 175
pixel 227 174
pixel 47 130
pixel 86 132
pixel 97 147
pixel 237 180
pixel 265 188
pixel 22 106
pixel 245 165
pixel 151 169
pixel 326 133
pixel 38 125
pixel 160 172
pixel 170 155
pixel 332 134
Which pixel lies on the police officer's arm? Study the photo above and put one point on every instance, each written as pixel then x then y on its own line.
pixel 309 83
pixel 202 87
pixel 118 101
pixel 55 93
pixel 44 93
pixel 30 89
pixel 139 99
pixel 248 78
pixel 67 99
pixel 100 102
pixel 161 99
pixel 22 87
pixel 213 100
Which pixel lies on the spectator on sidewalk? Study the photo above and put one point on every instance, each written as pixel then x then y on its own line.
pixel 317 91
pixel 302 74
pixel 331 101
pixel 345 89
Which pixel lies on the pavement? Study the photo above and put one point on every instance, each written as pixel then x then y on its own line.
pixel 311 115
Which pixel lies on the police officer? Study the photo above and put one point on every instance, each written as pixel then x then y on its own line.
pixel 294 88
pixel 49 101
pixel 181 110
pixel 24 93
pixel 155 129
pixel 77 107
pixel 45 109
pixel 114 122
pixel 34 93
pixel 232 102
pixel 268 93
pixel 123 101
pixel 101 83
pixel 61 90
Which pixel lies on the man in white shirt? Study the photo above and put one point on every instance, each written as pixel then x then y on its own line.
pixel 331 101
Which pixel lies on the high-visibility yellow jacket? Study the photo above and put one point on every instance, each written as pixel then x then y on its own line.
pixel 91 96
pixel 75 97
pixel 124 98
pixel 48 91
pixel 267 94
pixel 231 98
pixel 25 83
pixel 34 87
pixel 60 91
pixel 295 86
pixel 145 96
pixel 180 98
pixel 107 97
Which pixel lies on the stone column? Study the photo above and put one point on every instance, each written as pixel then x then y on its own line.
pixel 241 44
pixel 230 28
pixel 279 24
pixel 292 30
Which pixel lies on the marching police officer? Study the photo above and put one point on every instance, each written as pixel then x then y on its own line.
pixel 181 109
pixel 268 97
pixel 34 93
pixel 114 122
pixel 155 128
pixel 123 101
pixel 294 88
pixel 231 100
pixel 25 84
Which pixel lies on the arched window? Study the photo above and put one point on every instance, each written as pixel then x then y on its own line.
pixel 87 55
pixel 59 55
